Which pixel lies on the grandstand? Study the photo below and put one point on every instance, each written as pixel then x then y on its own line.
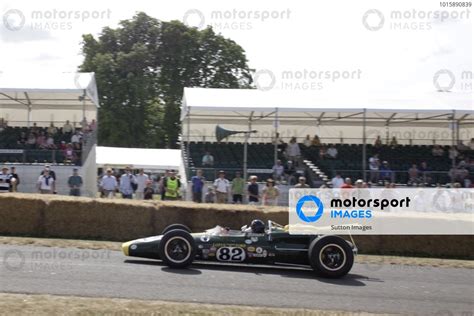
pixel 350 123
pixel 39 118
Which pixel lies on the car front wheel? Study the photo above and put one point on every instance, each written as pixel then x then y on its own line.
pixel 331 256
pixel 177 248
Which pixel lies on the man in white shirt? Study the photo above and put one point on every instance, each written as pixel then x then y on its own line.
pixel 278 170
pixel 46 183
pixel 142 180
pixel 332 152
pixel 108 184
pixel 337 181
pixel 221 185
pixel 76 138
pixel 67 128
pixel 208 160
pixel 5 180
pixel 126 181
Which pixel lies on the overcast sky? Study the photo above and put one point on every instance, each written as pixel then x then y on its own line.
pixel 376 50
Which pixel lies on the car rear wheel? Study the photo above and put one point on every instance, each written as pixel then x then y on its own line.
pixel 331 256
pixel 176 226
pixel 177 248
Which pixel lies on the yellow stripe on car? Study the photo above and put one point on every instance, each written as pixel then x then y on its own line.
pixel 125 247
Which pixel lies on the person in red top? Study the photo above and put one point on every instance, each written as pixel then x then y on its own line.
pixel 347 184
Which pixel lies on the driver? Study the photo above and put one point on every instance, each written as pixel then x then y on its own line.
pixel 257 227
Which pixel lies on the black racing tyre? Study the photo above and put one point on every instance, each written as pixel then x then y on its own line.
pixel 330 256
pixel 176 226
pixel 177 248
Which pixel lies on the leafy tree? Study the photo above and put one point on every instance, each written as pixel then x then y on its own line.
pixel 141 69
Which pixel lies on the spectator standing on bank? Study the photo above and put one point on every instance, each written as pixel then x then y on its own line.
pixel 75 183
pixel 222 186
pixel 172 184
pixel 47 168
pixel 141 180
pixel 126 181
pixel 161 184
pixel 197 182
pixel 252 190
pixel 16 182
pixel 5 180
pixel 237 188
pixel 108 184
pixel 374 164
pixel 46 183
pixel 270 193
pixel 148 192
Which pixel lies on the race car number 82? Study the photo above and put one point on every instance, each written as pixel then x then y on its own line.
pixel 230 254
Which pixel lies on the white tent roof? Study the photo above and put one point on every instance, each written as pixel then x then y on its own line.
pixel 234 106
pixel 50 97
pixel 154 159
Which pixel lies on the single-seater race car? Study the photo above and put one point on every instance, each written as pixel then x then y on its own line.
pixel 328 255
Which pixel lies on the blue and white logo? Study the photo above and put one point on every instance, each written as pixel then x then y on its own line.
pixel 310 199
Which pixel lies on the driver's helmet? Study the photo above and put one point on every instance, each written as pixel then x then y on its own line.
pixel 257 226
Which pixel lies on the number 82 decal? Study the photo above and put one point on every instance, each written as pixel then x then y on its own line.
pixel 235 254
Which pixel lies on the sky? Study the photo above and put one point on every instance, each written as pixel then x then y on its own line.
pixel 307 46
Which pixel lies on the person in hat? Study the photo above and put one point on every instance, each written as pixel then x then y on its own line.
pixel 5 180
pixel 270 193
pixel 221 186
pixel 46 183
pixel 75 183
pixel 301 183
pixel 15 180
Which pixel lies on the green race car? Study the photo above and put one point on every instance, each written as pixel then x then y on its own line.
pixel 328 255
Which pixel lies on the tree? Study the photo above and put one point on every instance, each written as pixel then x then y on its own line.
pixel 141 69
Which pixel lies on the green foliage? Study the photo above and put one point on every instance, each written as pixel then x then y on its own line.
pixel 141 69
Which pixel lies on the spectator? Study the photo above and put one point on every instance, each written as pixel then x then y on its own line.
pixel 52 130
pixel 126 183
pixel 332 152
pixel 46 183
pixel 148 192
pixel 393 142
pixel 16 182
pixel 461 147
pixel 93 125
pixel 210 196
pixel 270 193
pixel 75 183
pixel 51 172
pixel 293 151
pixel 5 180
pixel 378 142
pixel 307 141
pixel 237 188
pixel 347 184
pixel 278 170
pixel 374 164
pixel 281 146
pixel 50 142
pixel 222 185
pixel 337 181
pixel 108 184
pixel 67 128
pixel 453 153
pixel 437 151
pixel 161 184
pixel 69 153
pixel 386 174
pixel 34 129
pixel 76 138
pixel 207 160
pixel 62 146
pixel 22 139
pixel 471 144
pixel 290 171
pixel 197 186
pixel 31 142
pixel 413 174
pixel 41 141
pixel 316 141
pixel 301 183
pixel 322 152
pixel 172 184
pixel 252 191
pixel 141 181
pixel 425 173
